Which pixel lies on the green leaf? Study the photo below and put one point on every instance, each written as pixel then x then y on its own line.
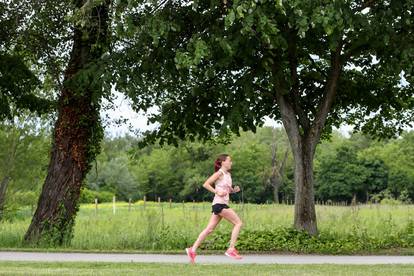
pixel 230 18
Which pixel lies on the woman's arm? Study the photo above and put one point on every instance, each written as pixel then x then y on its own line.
pixel 210 181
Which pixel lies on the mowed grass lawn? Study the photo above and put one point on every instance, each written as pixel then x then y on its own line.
pixel 165 227
pixel 31 268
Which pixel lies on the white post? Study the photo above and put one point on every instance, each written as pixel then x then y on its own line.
pixel 113 204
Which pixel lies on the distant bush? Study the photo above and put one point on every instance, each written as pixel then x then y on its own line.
pixel 390 201
pixel 26 198
pixel 88 196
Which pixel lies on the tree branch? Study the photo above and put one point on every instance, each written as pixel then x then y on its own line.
pixel 328 97
pixel 283 165
pixel 293 65
pixel 366 4
pixel 316 66
pixel 286 110
pixel 162 3
pixel 354 50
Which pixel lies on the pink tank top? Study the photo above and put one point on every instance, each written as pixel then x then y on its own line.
pixel 224 184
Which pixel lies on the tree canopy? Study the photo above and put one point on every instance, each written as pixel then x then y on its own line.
pixel 214 67
pixel 31 54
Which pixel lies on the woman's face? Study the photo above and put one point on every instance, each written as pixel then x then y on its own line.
pixel 227 163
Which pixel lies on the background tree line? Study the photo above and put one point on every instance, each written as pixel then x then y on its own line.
pixel 345 168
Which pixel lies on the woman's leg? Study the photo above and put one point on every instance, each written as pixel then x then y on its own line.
pixel 231 216
pixel 214 220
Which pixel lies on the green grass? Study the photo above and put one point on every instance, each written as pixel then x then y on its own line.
pixel 166 228
pixel 31 268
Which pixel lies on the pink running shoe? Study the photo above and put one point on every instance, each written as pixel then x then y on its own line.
pixel 191 254
pixel 232 253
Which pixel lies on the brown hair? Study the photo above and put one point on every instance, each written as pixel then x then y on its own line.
pixel 220 158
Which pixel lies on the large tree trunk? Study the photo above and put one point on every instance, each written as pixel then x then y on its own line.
pixel 303 148
pixel 77 132
pixel 305 215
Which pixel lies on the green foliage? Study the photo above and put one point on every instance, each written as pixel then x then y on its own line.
pixel 390 201
pixel 17 88
pixel 55 231
pixel 218 73
pixel 364 167
pixel 340 177
pixel 343 230
pixel 24 198
pixel 33 51
pixel 114 176
pixel 344 167
pixel 405 197
pixel 24 147
pixel 179 173
pixel 251 164
pixel 89 196
pixel 344 175
pixel 398 157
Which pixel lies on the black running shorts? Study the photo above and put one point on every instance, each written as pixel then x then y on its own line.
pixel 216 208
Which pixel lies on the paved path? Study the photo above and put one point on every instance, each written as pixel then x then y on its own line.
pixel 204 259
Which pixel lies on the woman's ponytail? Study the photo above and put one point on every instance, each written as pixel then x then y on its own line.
pixel 217 163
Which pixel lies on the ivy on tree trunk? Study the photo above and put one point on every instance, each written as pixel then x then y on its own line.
pixel 77 131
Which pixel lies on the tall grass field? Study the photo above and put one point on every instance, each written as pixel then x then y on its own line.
pixel 165 226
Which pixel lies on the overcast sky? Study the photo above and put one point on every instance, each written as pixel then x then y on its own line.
pixel 138 122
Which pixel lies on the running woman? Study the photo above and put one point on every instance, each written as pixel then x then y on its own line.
pixel 221 180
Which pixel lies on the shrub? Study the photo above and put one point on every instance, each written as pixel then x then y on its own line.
pixel 88 196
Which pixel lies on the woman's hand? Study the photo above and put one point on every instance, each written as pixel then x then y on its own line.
pixel 236 189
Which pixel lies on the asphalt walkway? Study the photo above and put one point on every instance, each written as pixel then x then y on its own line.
pixel 203 259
